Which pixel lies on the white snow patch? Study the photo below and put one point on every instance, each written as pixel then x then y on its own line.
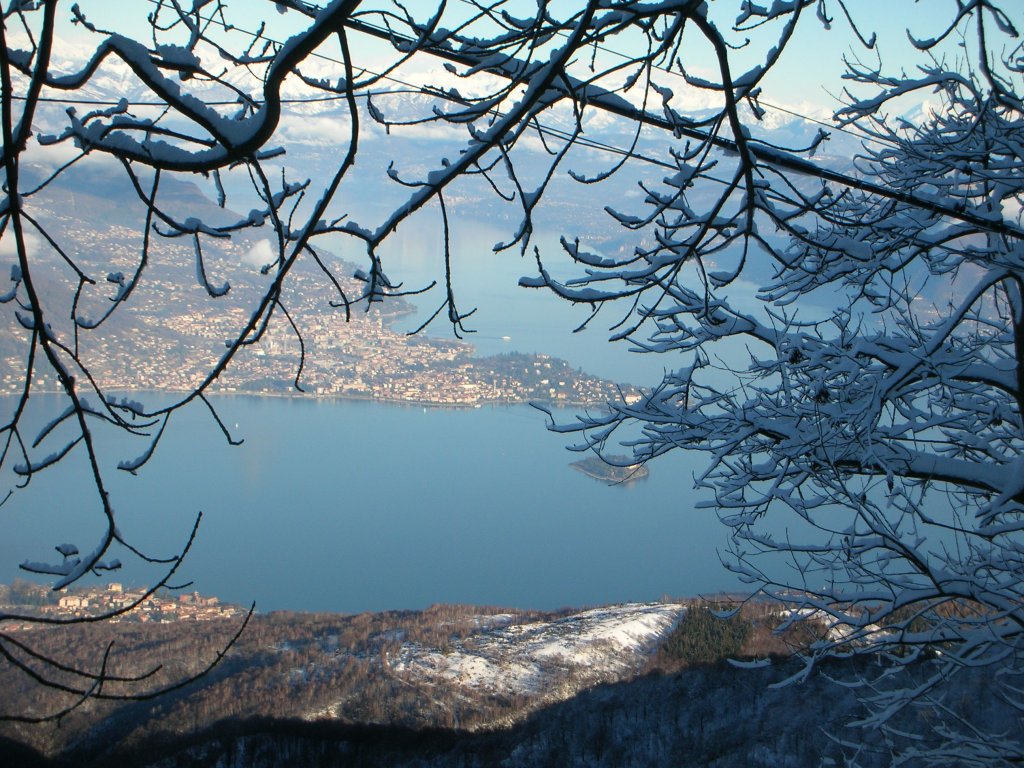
pixel 536 657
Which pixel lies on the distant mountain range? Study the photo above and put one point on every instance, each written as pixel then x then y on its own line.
pixel 314 134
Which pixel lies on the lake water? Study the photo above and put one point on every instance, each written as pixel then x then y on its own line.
pixel 350 506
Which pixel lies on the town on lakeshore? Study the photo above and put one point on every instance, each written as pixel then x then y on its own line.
pixel 171 334
pixel 29 599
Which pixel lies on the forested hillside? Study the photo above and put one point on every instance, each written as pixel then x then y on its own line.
pixel 709 715
pixel 377 689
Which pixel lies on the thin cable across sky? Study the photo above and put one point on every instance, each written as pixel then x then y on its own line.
pixel 763 152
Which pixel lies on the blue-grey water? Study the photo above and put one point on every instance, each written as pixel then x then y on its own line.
pixel 351 506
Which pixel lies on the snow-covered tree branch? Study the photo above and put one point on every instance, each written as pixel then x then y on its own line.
pixel 868 457
pixel 860 407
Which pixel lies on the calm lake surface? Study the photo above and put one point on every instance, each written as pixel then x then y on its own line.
pixel 352 506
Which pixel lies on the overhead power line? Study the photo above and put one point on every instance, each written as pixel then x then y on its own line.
pixel 760 102
pixel 600 98
pixel 610 102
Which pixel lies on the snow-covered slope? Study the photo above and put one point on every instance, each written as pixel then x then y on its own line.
pixel 540 658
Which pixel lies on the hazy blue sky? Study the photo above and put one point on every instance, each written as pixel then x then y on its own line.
pixel 811 67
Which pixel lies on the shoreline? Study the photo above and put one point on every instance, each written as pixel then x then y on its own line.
pixel 32 616
pixel 298 395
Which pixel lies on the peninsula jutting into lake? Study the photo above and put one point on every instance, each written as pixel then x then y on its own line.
pixel 171 332
pixel 361 357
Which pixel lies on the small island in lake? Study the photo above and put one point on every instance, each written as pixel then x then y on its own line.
pixel 614 470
